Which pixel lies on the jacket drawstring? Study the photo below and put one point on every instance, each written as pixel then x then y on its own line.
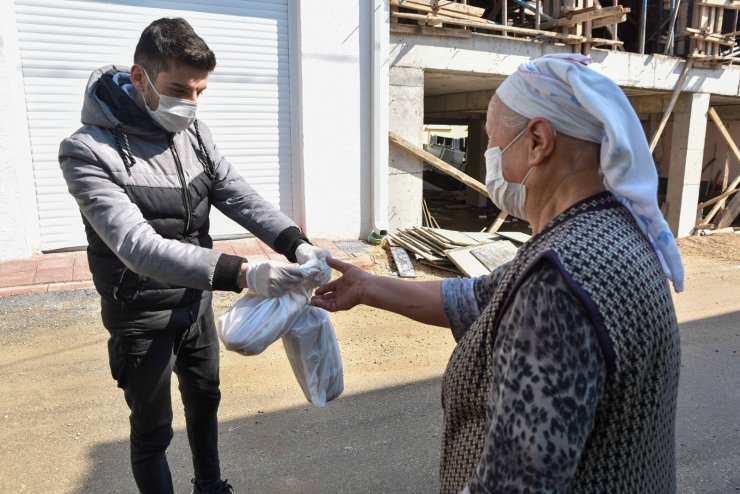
pixel 204 157
pixel 125 150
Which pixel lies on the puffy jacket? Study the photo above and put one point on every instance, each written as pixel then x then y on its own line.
pixel 145 195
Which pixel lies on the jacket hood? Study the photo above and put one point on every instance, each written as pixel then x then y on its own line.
pixel 109 103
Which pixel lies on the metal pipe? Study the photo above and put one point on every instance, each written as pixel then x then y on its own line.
pixel 643 24
pixel 379 109
pixel 672 28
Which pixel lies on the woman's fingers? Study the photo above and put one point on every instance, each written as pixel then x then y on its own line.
pixel 340 266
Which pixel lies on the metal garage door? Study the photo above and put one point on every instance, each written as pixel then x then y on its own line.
pixel 247 104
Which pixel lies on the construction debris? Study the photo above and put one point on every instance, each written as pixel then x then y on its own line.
pixel 470 253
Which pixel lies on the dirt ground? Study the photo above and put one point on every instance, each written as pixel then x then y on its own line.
pixel 64 428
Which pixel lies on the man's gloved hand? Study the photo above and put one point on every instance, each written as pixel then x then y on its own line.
pixel 306 252
pixel 272 278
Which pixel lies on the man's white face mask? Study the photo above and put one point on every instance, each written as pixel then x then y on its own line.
pixel 507 196
pixel 172 114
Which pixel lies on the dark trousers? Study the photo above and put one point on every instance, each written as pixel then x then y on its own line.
pixel 143 367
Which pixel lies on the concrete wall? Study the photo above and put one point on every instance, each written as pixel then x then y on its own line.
pixel 333 99
pixel 19 233
pixel 406 118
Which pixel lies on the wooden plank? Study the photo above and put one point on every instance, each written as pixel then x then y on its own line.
pixel 733 209
pixel 719 39
pixel 609 21
pixel 715 200
pixel 482 237
pixel 723 130
pixel 403 263
pixel 720 204
pixel 445 6
pixel 442 32
pixel 447 266
pixel 466 262
pixel 434 240
pixel 420 246
pixel 454 237
pixel 434 249
pixel 725 4
pixel 498 27
pixel 498 222
pixel 413 247
pixel 518 237
pixel 590 14
pixel 494 254
pixel 438 163
pixel 676 91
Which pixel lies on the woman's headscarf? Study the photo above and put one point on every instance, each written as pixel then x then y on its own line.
pixel 584 104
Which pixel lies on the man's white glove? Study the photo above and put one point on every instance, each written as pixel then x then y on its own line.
pixel 306 252
pixel 272 278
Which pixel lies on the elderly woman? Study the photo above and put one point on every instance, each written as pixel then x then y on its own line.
pixel 565 373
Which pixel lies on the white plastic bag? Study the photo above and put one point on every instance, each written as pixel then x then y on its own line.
pixel 255 322
pixel 312 349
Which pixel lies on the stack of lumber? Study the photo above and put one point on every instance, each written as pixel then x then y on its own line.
pixel 471 253
pixel 525 20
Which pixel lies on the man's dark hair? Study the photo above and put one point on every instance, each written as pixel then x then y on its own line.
pixel 169 41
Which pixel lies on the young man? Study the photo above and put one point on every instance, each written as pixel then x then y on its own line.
pixel 145 174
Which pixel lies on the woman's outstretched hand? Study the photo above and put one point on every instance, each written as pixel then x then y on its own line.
pixel 346 291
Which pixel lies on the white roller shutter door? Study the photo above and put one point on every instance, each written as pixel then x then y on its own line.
pixel 247 103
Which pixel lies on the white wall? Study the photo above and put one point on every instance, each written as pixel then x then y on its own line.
pixel 333 60
pixel 19 228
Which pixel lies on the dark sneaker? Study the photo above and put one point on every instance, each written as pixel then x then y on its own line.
pixel 223 487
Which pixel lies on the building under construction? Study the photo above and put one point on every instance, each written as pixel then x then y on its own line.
pixel 306 94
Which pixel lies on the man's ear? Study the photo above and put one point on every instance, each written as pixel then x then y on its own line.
pixel 138 77
pixel 541 141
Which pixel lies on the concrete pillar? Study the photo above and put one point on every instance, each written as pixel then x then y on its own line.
pixel 687 152
pixel 476 163
pixel 405 118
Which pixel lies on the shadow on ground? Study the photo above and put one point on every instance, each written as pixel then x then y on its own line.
pixel 388 440
pixel 380 441
pixel 708 416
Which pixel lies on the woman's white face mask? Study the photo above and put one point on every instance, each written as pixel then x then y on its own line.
pixel 172 114
pixel 507 196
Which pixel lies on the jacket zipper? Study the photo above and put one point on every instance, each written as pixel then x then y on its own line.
pixel 181 174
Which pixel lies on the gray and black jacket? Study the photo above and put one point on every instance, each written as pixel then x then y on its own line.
pixel 145 195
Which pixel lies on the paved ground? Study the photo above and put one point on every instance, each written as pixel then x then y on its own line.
pixel 63 425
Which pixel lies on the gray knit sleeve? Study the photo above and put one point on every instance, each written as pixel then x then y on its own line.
pixel 464 299
pixel 549 375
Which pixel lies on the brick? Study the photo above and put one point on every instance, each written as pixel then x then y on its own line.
pixel 80 273
pixel 65 287
pixel 223 246
pixel 17 279
pixel 247 248
pixel 65 261
pixel 361 262
pixel 53 275
pixel 81 259
pixel 22 290
pixel 23 266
